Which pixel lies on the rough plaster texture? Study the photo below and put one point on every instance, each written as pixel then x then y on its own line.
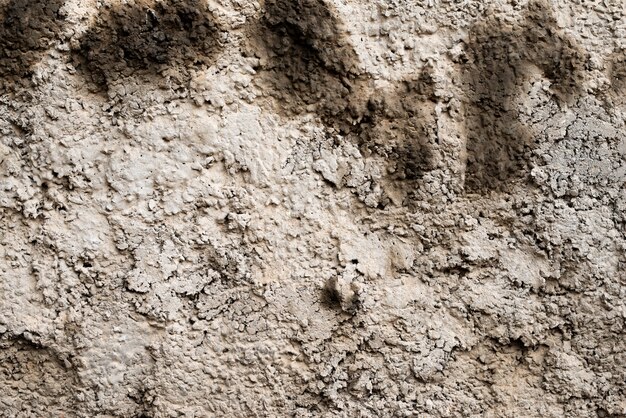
pixel 333 208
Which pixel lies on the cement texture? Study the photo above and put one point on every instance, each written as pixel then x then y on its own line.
pixel 312 208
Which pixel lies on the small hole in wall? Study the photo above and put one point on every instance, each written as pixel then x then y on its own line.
pixel 330 297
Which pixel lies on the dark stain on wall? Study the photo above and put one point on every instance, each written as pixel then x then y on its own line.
pixel 499 55
pixel 147 38
pixel 400 124
pixel 617 76
pixel 24 359
pixel 308 65
pixel 29 28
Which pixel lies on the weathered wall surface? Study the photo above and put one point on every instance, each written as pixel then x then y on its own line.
pixel 312 208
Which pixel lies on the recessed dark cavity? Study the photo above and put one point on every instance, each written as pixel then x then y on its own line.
pixel 29 28
pixel 497 64
pixel 330 297
pixel 147 38
pixel 309 66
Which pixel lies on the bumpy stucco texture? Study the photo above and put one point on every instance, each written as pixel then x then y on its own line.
pixel 312 208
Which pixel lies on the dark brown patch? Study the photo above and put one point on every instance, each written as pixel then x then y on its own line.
pixel 307 62
pixel 52 376
pixel 29 29
pixel 148 37
pixel 558 55
pixel 617 75
pixel 309 66
pixel 330 297
pixel 400 125
pixel 498 56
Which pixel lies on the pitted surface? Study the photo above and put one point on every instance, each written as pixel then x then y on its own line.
pixel 312 208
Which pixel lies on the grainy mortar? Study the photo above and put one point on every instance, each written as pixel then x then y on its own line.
pixel 312 208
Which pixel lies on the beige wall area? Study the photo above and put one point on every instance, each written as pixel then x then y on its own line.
pixel 312 208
